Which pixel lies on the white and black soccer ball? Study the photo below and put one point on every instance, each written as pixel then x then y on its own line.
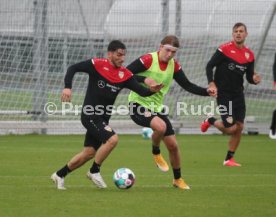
pixel 124 178
pixel 147 133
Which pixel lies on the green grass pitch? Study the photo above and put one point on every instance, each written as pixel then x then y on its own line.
pixel 26 163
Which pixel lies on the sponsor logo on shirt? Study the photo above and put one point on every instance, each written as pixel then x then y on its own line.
pixel 231 66
pixel 113 88
pixel 101 84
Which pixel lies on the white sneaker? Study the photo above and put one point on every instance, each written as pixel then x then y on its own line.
pixel 271 135
pixel 97 179
pixel 58 181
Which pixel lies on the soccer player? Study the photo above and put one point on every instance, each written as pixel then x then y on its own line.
pixel 272 132
pixel 107 77
pixel 232 60
pixel 148 112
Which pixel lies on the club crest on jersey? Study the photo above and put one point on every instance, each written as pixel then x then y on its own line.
pixel 108 128
pixel 121 74
pixel 247 55
pixel 147 114
pixel 229 120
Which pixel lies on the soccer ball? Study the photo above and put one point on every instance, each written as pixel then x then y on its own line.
pixel 124 178
pixel 147 133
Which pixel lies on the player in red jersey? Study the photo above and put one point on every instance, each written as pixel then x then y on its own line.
pixel 107 77
pixel 231 60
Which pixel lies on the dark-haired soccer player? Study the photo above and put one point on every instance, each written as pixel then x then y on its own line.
pixel 149 112
pixel 107 77
pixel 272 132
pixel 232 60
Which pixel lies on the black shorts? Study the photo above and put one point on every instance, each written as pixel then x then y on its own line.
pixel 98 131
pixel 233 108
pixel 143 116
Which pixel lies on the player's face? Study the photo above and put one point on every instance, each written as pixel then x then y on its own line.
pixel 117 57
pixel 239 34
pixel 166 52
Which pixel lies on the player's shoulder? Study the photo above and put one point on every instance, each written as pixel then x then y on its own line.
pixel 146 60
pixel 177 65
pixel 99 61
pixel 226 46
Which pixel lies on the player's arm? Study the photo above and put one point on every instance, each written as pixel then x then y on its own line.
pixel 215 60
pixel 183 81
pixel 140 65
pixel 85 66
pixel 133 85
pixel 251 76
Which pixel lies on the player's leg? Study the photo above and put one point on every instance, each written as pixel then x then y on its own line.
pixel 81 158
pixel 239 111
pixel 226 125
pixel 143 117
pixel 169 140
pixel 159 128
pixel 233 144
pixel 78 160
pixel 272 132
pixel 90 146
pixel 107 139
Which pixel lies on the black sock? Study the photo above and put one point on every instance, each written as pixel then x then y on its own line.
pixel 229 155
pixel 95 168
pixel 211 120
pixel 177 173
pixel 63 171
pixel 155 150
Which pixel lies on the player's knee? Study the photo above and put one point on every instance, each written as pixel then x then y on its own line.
pixel 88 153
pixel 231 130
pixel 240 127
pixel 160 128
pixel 172 147
pixel 113 141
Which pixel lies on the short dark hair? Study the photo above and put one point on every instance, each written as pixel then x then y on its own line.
pixel 237 25
pixel 115 45
pixel 171 40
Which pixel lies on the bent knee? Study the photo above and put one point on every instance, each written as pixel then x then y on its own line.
pixel 113 140
pixel 240 126
pixel 172 146
pixel 236 128
pixel 88 152
pixel 160 128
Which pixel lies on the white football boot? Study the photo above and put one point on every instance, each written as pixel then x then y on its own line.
pixel 271 135
pixel 97 179
pixel 58 181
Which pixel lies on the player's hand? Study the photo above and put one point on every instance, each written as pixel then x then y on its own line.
pixel 256 78
pixel 150 82
pixel 274 85
pixel 156 88
pixel 212 89
pixel 212 92
pixel 66 95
